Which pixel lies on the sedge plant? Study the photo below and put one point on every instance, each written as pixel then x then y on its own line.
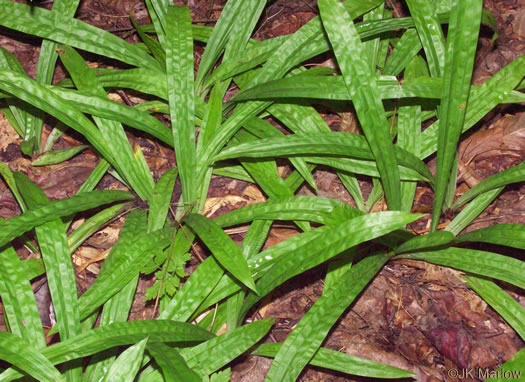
pixel 427 73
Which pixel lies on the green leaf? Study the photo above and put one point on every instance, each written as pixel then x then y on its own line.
pixel 409 129
pixel 20 354
pixel 96 175
pixel 510 369
pixel 512 175
pixel 345 363
pixel 333 88
pixel 174 367
pixel 227 253
pixel 127 365
pixel 307 250
pixel 181 92
pixel 18 299
pixel 135 255
pixel 7 174
pixel 47 61
pixel 194 291
pixel 18 225
pixel 430 34
pixel 157 10
pixel 316 44
pixel 482 99
pixel 339 267
pixel 252 243
pixel 16 111
pixel 55 252
pixel 126 163
pixel 405 50
pixel 58 156
pixel 266 175
pixel 117 308
pixel 153 45
pixel 330 144
pixel 364 167
pixel 510 235
pixel 218 38
pixel 55 26
pixel 472 211
pixel 361 85
pixel 119 334
pixel 252 56
pixel 434 239
pixel 93 224
pixel 160 202
pixel 306 338
pixel 40 96
pixel 302 45
pixel 269 131
pixel 315 209
pixel 481 263
pixel 461 48
pixel 106 108
pixel 209 356
pixel 501 302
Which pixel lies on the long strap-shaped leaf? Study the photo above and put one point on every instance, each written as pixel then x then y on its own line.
pixel 482 99
pixel 124 267
pixel 9 61
pixel 512 175
pixel 127 365
pixel 481 263
pixel 136 174
pixel 116 309
pixel 39 96
pixel 160 202
pixel 340 144
pixel 409 129
pixel 106 108
pixel 345 363
pixel 218 39
pixel 57 259
pixel 181 93
pixel 405 50
pixel 510 235
pixel 461 48
pixel 18 299
pixel 47 59
pixel 118 334
pixel 472 211
pixel 430 34
pixel 54 26
pixel 307 250
pixel 303 44
pixel 194 291
pixel 227 253
pixel 174 367
pixel 333 88
pixel 20 354
pixel 17 225
pixel 361 84
pixel 213 354
pixel 316 209
pixel 303 342
pixel 501 301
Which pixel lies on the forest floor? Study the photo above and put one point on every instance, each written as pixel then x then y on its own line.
pixel 414 315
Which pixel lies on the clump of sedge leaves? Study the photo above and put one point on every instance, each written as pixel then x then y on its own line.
pixel 425 79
